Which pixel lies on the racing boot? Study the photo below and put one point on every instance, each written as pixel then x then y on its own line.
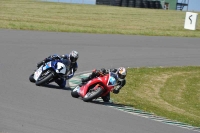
pixel 85 79
pixel 106 98
pixel 91 76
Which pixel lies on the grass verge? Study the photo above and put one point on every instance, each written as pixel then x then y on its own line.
pixel 63 17
pixel 172 92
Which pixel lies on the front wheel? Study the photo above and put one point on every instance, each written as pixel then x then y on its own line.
pixel 92 94
pixel 44 79
pixel 31 78
pixel 74 94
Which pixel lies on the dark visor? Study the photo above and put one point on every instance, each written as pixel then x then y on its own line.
pixel 73 59
pixel 121 76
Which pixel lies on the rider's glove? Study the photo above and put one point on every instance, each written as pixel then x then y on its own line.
pixel 103 70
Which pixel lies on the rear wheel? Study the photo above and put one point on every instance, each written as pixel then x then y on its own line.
pixel 92 94
pixel 43 79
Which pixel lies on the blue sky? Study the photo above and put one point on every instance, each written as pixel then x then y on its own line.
pixel 194 5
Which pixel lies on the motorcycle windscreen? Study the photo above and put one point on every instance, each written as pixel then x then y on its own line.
pixel 48 65
pixel 112 80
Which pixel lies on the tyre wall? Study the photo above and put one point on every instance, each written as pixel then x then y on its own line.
pixel 132 3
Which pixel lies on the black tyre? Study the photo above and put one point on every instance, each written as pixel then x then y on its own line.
pixel 44 79
pixel 31 78
pixel 74 94
pixel 92 94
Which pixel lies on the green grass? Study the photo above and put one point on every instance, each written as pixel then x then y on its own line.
pixel 172 92
pixel 62 17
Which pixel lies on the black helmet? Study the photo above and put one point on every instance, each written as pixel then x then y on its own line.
pixel 73 56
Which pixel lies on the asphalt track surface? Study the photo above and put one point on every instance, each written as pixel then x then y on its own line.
pixel 26 108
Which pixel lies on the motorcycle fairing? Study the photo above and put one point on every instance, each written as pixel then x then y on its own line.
pixel 57 66
pixel 60 68
pixel 41 69
pixel 100 81
pixel 38 73
pixel 77 89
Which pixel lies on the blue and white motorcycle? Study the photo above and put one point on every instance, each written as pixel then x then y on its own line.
pixel 50 71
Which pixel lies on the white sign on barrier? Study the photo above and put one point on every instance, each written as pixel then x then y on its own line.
pixel 190 21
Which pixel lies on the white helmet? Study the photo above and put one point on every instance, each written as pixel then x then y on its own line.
pixel 121 73
pixel 73 56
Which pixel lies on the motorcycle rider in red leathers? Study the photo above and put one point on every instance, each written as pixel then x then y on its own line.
pixel 120 74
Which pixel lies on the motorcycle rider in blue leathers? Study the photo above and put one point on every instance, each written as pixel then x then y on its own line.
pixel 72 58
